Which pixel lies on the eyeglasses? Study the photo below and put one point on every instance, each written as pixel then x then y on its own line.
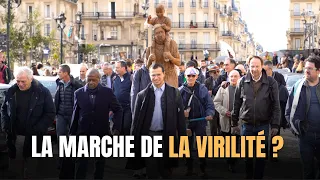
pixel 310 69
pixel 215 72
pixel 191 75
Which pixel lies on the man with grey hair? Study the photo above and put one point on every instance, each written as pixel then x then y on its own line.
pixel 91 118
pixel 28 110
pixel 108 75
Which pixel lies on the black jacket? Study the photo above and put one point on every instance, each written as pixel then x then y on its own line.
pixel 279 78
pixel 81 82
pixel 221 78
pixel 41 110
pixel 88 119
pixel 259 110
pixel 174 123
pixel 75 85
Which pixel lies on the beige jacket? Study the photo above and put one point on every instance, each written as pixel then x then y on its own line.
pixel 221 103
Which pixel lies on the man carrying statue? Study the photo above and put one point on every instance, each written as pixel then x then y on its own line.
pixel 164 50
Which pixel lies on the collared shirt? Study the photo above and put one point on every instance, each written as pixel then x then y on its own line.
pixel 204 72
pixel 157 119
pixel 109 81
pixel 256 80
pixel 121 78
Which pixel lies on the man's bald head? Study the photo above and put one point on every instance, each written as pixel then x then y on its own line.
pixel 234 76
pixel 93 72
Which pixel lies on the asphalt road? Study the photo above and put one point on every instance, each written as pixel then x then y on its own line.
pixel 288 166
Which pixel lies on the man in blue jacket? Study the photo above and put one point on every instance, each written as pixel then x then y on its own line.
pixel 121 89
pixel 303 111
pixel 92 104
pixel 198 104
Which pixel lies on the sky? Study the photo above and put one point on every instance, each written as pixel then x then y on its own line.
pixel 268 20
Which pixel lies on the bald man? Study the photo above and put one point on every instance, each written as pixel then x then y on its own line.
pixel 91 117
pixel 223 102
pixel 82 78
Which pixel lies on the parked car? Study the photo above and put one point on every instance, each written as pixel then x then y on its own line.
pixel 291 79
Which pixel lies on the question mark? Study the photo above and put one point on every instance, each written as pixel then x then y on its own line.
pixel 278 142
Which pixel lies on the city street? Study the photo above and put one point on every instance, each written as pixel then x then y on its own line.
pixel 288 166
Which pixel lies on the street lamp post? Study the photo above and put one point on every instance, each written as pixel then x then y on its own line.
pixel 61 25
pixel 145 7
pixel 79 22
pixel 309 30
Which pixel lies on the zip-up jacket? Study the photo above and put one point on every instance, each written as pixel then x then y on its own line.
pixel 264 108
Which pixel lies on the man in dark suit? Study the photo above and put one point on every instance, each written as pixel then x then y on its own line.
pixel 158 112
pixel 82 78
pixel 91 117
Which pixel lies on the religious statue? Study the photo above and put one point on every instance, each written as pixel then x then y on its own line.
pixel 163 50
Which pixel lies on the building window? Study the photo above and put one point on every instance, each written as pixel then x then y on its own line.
pixel 181 41
pixel 114 33
pixel 30 10
pixel 101 35
pixel 82 7
pixel 205 19
pixel 47 29
pixel 171 35
pixel 297 44
pixel 169 16
pixel 193 40
pixel 205 3
pixel 95 9
pixel 47 11
pixel 206 37
pixel 296 25
pixel 193 3
pixel 180 4
pixel 296 9
pixel 309 7
pixel 193 17
pixel 94 34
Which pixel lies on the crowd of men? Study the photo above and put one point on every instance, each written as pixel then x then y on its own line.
pixel 236 100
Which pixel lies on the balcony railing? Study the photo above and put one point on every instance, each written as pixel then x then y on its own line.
pixel 193 4
pixel 108 15
pixel 226 33
pixel 181 4
pixel 199 46
pixel 193 25
pixel 205 4
pixel 169 4
pixel 295 13
pixel 296 30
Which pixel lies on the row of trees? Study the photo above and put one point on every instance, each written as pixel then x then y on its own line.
pixel 26 40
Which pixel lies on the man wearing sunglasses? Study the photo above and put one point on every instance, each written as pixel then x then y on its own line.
pixel 198 104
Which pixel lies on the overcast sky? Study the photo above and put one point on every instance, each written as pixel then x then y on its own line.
pixel 268 20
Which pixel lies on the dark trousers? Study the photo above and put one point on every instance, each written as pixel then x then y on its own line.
pixel 309 148
pixel 126 120
pixel 81 168
pixel 231 161
pixel 155 166
pixel 198 129
pixel 255 170
pixel 214 124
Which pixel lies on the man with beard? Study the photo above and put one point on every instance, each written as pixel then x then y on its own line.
pixel 167 59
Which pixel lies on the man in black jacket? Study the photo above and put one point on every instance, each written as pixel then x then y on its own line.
pixel 258 97
pixel 27 110
pixel 91 117
pixel 158 112
pixel 283 96
pixel 66 86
